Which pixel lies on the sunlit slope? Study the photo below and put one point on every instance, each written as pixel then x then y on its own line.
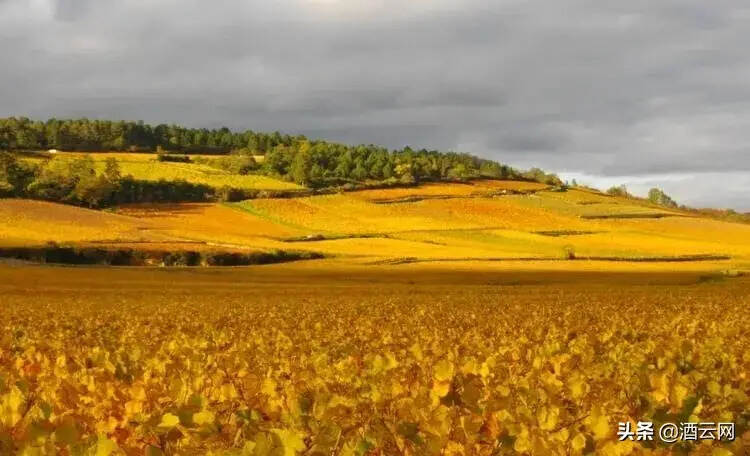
pixel 487 220
pixel 40 224
pixel 447 190
pixel 459 221
pixel 214 223
pixel 428 207
pixel 24 222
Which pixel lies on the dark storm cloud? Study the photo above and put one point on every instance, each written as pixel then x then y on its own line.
pixel 637 89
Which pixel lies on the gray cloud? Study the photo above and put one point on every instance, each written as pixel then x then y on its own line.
pixel 71 10
pixel 608 89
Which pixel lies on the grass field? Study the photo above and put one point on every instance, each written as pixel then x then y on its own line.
pixel 334 358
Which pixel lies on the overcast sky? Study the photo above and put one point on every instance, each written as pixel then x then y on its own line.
pixel 641 92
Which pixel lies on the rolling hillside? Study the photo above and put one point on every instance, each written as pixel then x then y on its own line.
pixel 486 220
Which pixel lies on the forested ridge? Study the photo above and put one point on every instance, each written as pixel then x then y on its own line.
pixel 313 163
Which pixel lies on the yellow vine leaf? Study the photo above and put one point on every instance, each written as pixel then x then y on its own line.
pixel 106 447
pixel 598 424
pixel 579 442
pixel 169 420
pixel 291 442
pixel 204 417
pixel 443 370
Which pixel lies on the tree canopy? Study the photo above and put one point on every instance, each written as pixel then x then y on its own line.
pixel 89 135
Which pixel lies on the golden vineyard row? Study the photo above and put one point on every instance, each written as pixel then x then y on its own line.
pixel 342 370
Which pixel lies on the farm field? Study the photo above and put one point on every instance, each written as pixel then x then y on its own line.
pixel 416 359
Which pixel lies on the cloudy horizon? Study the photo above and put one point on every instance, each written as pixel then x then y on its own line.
pixel 641 93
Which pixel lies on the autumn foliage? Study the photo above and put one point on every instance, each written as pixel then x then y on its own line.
pixel 409 369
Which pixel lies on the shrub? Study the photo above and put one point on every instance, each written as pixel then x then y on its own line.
pixel 182 258
pixel 173 158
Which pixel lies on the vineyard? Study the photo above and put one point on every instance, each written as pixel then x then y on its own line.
pixel 482 318
pixel 385 361
pixel 147 167
pixel 490 220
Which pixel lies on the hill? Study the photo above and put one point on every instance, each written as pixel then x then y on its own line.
pixel 486 221
pixel 429 207
pixel 309 162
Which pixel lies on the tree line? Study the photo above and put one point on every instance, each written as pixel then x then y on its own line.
pixel 322 164
pixel 20 133
pixel 312 163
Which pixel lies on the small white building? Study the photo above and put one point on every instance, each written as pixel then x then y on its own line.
pixel 52 151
